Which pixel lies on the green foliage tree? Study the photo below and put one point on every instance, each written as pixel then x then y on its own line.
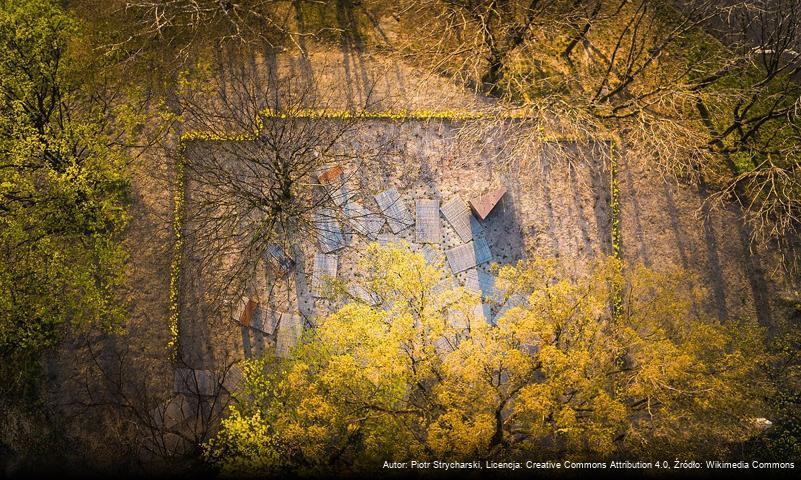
pixel 62 189
pixel 419 373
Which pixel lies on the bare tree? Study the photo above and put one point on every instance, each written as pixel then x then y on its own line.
pixel 257 181
pixel 471 40
pixel 600 65
pixel 142 28
pixel 751 108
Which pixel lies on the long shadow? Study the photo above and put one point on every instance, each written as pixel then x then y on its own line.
pixel 578 204
pixel 400 80
pixel 272 88
pixel 245 86
pixel 357 79
pixel 601 184
pixel 678 231
pixel 546 157
pixel 632 196
pixel 714 270
pixel 193 328
pixel 760 287
pixel 304 64
pixel 194 345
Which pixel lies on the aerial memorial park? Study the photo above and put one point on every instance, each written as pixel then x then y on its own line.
pixel 324 238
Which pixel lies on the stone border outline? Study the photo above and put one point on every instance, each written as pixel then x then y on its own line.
pixel 173 345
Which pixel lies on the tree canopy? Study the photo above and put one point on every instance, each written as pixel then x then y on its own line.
pixel 62 188
pixel 419 373
pixel 609 362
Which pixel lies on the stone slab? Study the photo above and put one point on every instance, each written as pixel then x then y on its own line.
pixel 393 207
pixel 325 268
pixel 363 221
pixel 468 255
pixel 329 232
pixel 459 216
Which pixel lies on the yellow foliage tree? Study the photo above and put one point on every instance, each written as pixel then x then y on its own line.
pixel 413 370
